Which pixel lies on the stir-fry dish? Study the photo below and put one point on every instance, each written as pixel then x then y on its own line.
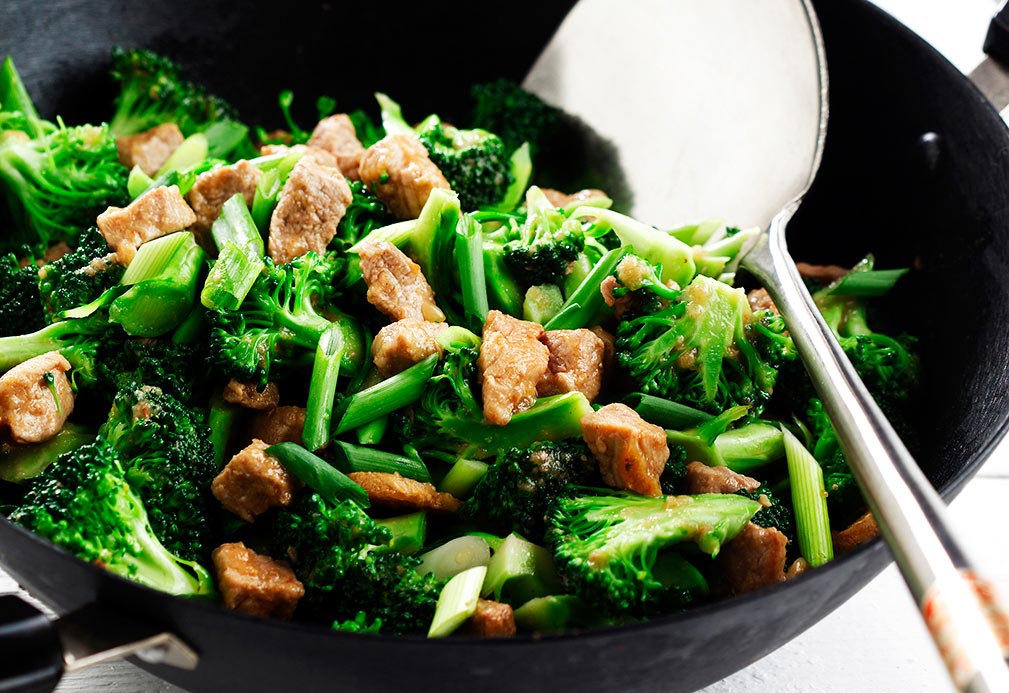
pixel 372 375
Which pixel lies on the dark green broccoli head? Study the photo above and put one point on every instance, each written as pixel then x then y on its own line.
pixel 168 459
pixel 364 214
pixel 844 499
pixel 20 302
pixel 539 250
pixel 519 490
pixel 700 351
pixel 609 549
pixel 152 91
pixel 83 503
pixel 342 558
pixel 675 473
pixel 80 276
pixel 774 513
pixel 474 162
pixel 58 183
pixel 516 115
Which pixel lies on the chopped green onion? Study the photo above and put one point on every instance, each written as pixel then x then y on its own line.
pixel 386 397
pixel 809 499
pixel 455 556
pixel 322 388
pixel 230 279
pixel 192 151
pixel 585 302
pixel 320 476
pixel 457 602
pixel 867 283
pixel 372 432
pixel 522 171
pixel 666 413
pixel 463 477
pixel 137 183
pixel 236 225
pixel 221 420
pixel 469 257
pixel 358 458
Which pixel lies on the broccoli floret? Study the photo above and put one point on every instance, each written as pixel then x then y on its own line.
pixel 343 559
pixel 168 460
pixel 703 350
pixel 607 547
pixel 516 115
pixel 364 214
pixel 281 320
pixel 474 162
pixel 519 489
pixel 80 276
pixel 152 92
pixel 80 341
pixel 84 504
pixel 175 369
pixel 539 250
pixel 774 512
pixel 57 183
pixel 20 302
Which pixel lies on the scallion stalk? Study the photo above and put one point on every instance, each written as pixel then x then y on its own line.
pixel 359 458
pixel 320 476
pixel 322 388
pixel 585 302
pixel 809 499
pixel 386 397
pixel 457 602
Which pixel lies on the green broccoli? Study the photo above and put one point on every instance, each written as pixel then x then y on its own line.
pixel 474 162
pixel 774 512
pixel 516 115
pixel 519 489
pixel 342 557
pixel 20 303
pixel 281 320
pixel 610 548
pixel 84 504
pixel 80 276
pixel 364 214
pixel 704 350
pixel 539 250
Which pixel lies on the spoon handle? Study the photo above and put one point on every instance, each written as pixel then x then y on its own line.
pixel 968 625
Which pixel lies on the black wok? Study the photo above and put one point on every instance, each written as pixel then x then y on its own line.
pixel 916 170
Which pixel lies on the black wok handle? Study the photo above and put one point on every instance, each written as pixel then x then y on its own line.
pixel 31 656
pixel 992 75
pixel 996 42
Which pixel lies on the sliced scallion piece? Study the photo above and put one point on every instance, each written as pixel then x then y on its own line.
pixel 809 499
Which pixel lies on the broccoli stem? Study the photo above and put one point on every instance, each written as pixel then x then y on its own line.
pixel 409 532
pixel 14 97
pixel 504 292
pixel 358 458
pixel 322 388
pixel 742 449
pixel 221 419
pixel 463 477
pixel 551 418
pixel 193 150
pixel 191 327
pixel 809 499
pixel 469 256
pixel 520 571
pixel 391 394
pixel 69 337
pixel 454 557
pixel 320 476
pixel 392 116
pixel 586 302
pixel 19 463
pixel 372 432
pixel 522 171
pixel 138 182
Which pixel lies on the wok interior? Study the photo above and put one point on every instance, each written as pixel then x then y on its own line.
pixel 941 204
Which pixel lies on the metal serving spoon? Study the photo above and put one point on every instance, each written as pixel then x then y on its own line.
pixel 722 106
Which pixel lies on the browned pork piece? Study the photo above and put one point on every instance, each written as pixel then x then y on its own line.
pixel 215 187
pixel 36 398
pixel 336 135
pixel 249 395
pixel 396 285
pixel 401 344
pixel 150 149
pixel 754 558
pixel 759 299
pixel 312 203
pixel 575 365
pixel 490 620
pixel 280 425
pixel 512 362
pixel 857 533
pixel 560 199
pixel 400 493
pixel 156 213
pixel 256 584
pixel 253 482
pixel 399 171
pixel 823 273
pixel 701 478
pixel 631 452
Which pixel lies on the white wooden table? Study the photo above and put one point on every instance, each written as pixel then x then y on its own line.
pixel 876 641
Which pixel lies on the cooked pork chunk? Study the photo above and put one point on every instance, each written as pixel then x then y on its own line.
pixel 857 533
pixel 759 299
pixel 312 203
pixel 36 398
pixel 253 482
pixel 280 425
pixel 704 479
pixel 156 213
pixel 754 558
pixel 576 363
pixel 512 362
pixel 336 134
pixel 255 584
pixel 396 286
pixel 823 273
pixel 215 187
pixel 150 149
pixel 249 395
pixel 632 452
pixel 400 493
pixel 401 344
pixel 491 620
pixel 399 171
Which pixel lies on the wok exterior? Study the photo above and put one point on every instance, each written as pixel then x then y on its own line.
pixel 939 202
